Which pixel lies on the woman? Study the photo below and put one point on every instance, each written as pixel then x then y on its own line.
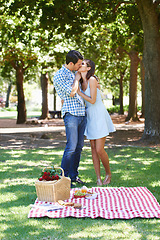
pixel 99 123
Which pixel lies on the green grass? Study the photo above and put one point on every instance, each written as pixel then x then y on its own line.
pixel 11 113
pixel 116 109
pixel 20 169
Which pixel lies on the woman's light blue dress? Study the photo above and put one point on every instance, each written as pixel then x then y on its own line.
pixel 99 123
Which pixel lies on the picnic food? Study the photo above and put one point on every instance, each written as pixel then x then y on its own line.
pixel 61 202
pixel 91 196
pixel 77 205
pixel 80 193
pixel 83 190
pixel 49 174
pixel 67 204
pixel 70 204
pixel 54 190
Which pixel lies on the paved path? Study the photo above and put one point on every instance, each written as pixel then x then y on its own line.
pixel 44 134
pixel 9 126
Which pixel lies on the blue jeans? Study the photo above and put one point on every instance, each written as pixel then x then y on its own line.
pixel 75 126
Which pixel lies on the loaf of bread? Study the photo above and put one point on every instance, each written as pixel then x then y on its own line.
pixel 69 204
pixel 61 202
pixel 77 205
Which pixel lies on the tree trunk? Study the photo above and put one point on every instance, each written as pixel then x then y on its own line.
pixel 54 95
pixel 121 93
pixel 8 94
pixel 21 107
pixel 44 86
pixel 150 21
pixel 142 89
pixel 132 112
pixel 113 101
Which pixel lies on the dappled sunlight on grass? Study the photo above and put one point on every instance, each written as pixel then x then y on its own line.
pixel 15 181
pixel 22 170
pixel 7 197
pixel 86 148
pixel 49 226
pixel 122 156
pixel 155 183
pixel 148 161
pixel 130 167
pixel 6 169
pixel 55 153
pixel 113 231
pixel 126 177
pixel 115 162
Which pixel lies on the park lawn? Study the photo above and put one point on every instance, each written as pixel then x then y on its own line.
pixel 11 113
pixel 131 167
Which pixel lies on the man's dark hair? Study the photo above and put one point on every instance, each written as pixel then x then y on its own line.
pixel 73 56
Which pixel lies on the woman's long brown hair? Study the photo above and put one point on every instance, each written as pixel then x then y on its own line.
pixel 91 72
pixel 90 64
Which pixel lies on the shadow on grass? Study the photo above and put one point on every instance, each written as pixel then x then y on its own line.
pixel 130 167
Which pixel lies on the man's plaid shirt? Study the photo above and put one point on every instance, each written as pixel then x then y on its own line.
pixel 63 80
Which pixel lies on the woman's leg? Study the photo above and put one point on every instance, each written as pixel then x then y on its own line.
pixel 104 158
pixel 96 161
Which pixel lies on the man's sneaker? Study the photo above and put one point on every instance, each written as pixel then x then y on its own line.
pixel 72 185
pixel 78 180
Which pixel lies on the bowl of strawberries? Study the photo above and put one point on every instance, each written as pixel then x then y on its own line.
pixel 49 174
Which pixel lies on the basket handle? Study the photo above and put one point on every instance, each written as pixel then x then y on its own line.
pixel 56 168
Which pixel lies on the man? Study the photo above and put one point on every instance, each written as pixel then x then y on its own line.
pixel 73 113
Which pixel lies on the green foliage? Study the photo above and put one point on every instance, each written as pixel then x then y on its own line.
pixel 131 167
pixel 18 58
pixel 11 112
pixel 108 43
pixel 51 28
pixel 116 109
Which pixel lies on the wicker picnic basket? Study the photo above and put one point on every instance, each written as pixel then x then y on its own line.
pixel 52 191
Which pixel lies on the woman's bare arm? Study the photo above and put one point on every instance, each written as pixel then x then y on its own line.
pixel 75 84
pixel 93 91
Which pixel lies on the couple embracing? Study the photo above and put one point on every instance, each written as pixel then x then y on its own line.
pixel 84 114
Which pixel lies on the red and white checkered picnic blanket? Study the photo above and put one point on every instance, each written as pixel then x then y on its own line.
pixel 111 203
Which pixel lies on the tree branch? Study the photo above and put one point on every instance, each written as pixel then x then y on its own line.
pixel 24 69
pixel 22 62
pixel 14 37
pixel 13 64
pixel 156 2
pixel 120 3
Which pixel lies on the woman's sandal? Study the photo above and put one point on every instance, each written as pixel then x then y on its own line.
pixel 107 180
pixel 99 182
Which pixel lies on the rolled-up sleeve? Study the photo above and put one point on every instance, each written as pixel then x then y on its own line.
pixel 62 85
pixel 63 81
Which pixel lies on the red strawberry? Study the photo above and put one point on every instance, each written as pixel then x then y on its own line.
pixel 44 176
pixel 40 179
pixel 47 178
pixel 53 177
pixel 56 177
